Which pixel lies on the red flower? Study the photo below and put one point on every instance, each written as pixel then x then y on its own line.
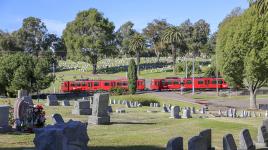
pixel 39 107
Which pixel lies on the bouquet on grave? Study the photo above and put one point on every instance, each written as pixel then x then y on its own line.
pixel 39 118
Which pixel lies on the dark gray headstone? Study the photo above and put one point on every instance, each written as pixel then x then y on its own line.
pixel 65 103
pixel 207 135
pixel 174 113
pixel 52 100
pixel 4 114
pixel 57 119
pixel 82 107
pixel 246 142
pixel 175 143
pixel 229 143
pixel 110 109
pixel 197 143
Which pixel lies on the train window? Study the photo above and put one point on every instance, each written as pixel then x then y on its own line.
pixel 220 81
pixel 119 84
pixel 169 82
pixel 214 81
pixel 106 84
pixel 200 82
pixel 89 84
pixel 83 84
pixel 163 82
pixel 78 84
pixel 96 83
pixel 189 82
pixel 124 83
pixel 72 84
pixel 176 82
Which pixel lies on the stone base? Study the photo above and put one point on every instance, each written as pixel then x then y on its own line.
pixel 5 129
pixel 261 145
pixel 82 111
pixel 99 120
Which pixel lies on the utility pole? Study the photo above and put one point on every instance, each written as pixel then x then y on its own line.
pixel 52 47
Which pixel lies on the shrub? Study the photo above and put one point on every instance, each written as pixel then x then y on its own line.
pixel 118 91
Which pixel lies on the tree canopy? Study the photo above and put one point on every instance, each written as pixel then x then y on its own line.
pixel 242 51
pixel 89 37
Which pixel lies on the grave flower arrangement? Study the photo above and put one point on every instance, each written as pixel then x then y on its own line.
pixel 39 116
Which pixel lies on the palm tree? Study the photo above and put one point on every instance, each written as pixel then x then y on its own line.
pixel 173 37
pixel 137 44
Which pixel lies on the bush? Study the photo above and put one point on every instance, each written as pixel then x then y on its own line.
pixel 118 91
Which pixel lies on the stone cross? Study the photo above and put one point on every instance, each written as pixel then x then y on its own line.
pixel 175 143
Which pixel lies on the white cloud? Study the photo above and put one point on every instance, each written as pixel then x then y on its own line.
pixel 54 26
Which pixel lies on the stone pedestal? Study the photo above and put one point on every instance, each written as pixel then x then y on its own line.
pixel 4 114
pixel 99 120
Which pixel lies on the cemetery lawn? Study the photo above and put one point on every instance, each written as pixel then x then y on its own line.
pixel 138 129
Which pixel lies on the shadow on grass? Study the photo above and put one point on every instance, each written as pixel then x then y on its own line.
pixel 142 123
pixel 137 147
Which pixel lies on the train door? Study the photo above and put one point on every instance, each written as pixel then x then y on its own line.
pixel 89 86
pixel 96 85
pixel 207 83
pixel 163 84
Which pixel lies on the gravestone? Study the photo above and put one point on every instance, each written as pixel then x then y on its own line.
pixel 266 114
pixel 65 103
pixel 4 115
pixel 229 143
pixel 207 135
pixel 246 142
pixel 151 104
pixel 57 119
pixel 186 113
pixel 262 136
pixel 52 100
pixel 81 107
pixel 64 136
pixel 193 110
pixel 220 113
pixel 265 123
pixel 128 104
pixel 99 109
pixel 165 109
pixel 203 110
pixel 197 143
pixel 175 143
pixel 22 93
pixel 21 108
pixel 27 99
pixel 120 110
pixel 174 113
pixel 109 109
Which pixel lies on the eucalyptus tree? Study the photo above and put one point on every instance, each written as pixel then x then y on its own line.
pixel 261 6
pixel 243 52
pixel 173 37
pixel 123 35
pixel 137 44
pixel 31 35
pixel 89 37
pixel 153 33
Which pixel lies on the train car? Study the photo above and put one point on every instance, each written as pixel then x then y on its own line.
pixel 187 83
pixel 94 85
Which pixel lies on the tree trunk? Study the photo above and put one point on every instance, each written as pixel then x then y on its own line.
pixel 138 62
pixel 94 65
pixel 157 55
pixel 174 56
pixel 252 99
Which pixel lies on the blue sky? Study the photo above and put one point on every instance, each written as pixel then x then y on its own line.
pixel 56 13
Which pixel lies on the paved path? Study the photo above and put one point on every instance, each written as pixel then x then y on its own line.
pixel 219 102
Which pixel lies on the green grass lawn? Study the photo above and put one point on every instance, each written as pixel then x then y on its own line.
pixel 138 129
